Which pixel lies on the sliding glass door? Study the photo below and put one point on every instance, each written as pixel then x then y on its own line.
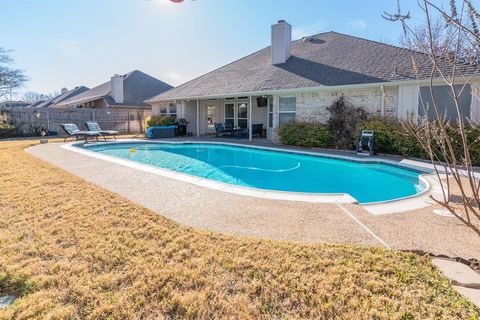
pixel 242 115
pixel 236 114
pixel 230 114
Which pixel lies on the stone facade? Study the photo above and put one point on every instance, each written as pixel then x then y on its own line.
pixel 313 106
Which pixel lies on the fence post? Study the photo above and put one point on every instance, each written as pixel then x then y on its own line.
pixel 128 114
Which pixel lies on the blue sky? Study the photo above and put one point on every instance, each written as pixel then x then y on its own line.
pixel 68 43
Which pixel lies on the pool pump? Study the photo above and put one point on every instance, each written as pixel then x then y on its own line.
pixel 366 142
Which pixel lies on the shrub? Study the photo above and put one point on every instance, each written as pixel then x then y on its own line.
pixel 304 134
pixel 8 129
pixel 159 121
pixel 473 141
pixel 387 133
pixel 343 123
pixel 392 138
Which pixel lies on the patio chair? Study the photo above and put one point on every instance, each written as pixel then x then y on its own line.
pixel 257 130
pixel 72 131
pixel 94 126
pixel 221 130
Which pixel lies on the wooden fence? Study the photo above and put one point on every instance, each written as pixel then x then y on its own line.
pixel 49 119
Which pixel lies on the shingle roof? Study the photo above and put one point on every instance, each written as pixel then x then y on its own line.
pixel 326 59
pixel 61 97
pixel 137 87
pixel 35 104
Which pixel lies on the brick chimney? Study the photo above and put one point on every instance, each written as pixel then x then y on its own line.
pixel 116 91
pixel 281 42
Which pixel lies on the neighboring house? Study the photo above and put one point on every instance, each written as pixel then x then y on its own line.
pixel 13 104
pixel 122 91
pixel 298 80
pixel 63 96
pixel 33 105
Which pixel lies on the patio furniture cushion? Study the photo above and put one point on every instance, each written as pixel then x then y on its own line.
pixel 161 132
pixel 72 130
pixel 94 126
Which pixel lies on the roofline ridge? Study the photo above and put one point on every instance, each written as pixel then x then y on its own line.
pixel 398 47
pixel 203 75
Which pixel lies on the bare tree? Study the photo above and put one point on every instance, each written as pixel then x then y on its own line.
pixel 448 144
pixel 446 40
pixel 33 97
pixel 10 78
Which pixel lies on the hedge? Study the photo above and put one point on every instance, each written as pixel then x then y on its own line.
pixel 159 121
pixel 390 137
pixel 305 134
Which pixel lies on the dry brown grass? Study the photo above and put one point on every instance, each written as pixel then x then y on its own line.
pixel 84 253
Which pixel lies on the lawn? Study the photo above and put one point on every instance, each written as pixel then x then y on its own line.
pixel 72 250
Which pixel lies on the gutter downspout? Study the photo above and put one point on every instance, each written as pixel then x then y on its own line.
pixel 382 103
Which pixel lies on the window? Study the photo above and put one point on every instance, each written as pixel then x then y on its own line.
pixel 445 102
pixel 287 110
pixel 270 112
pixel 172 109
pixel 162 110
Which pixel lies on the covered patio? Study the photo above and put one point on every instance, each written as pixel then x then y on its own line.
pixel 253 114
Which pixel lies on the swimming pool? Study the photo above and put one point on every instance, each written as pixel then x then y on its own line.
pixel 273 170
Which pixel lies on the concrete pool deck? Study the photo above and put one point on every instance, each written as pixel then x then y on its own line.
pixel 240 215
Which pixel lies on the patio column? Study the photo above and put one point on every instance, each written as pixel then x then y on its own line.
pixel 198 118
pixel 250 106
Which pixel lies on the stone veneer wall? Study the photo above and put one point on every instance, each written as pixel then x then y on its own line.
pixel 313 106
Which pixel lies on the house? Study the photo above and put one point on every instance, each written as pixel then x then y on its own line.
pixel 127 91
pixel 35 104
pixel 298 80
pixel 64 95
pixel 13 104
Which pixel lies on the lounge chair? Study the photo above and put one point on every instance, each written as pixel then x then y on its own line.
pixel 72 130
pixel 93 126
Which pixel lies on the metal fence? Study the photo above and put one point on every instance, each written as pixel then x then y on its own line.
pixel 49 119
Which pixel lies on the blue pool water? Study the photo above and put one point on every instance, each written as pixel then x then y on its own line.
pixel 273 170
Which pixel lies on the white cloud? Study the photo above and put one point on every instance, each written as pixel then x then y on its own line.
pixel 308 30
pixel 358 24
pixel 69 47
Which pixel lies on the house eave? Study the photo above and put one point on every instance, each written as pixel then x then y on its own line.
pixel 77 102
pixel 310 89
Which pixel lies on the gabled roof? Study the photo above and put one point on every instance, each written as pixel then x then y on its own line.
pixel 35 104
pixel 326 59
pixel 61 97
pixel 137 87
pixel 13 104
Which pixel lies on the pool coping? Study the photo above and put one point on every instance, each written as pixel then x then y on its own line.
pixel 380 207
